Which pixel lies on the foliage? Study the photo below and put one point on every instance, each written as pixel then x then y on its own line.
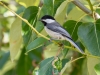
pixel 34 54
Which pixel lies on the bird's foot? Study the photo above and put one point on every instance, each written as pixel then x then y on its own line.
pixel 51 39
pixel 61 44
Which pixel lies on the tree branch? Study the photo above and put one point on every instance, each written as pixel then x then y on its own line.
pixel 86 10
pixel 82 7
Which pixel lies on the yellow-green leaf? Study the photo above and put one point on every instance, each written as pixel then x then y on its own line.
pixel 28 3
pixel 76 14
pixel 15 38
pixel 97 69
pixel 91 62
pixel 61 12
pixel 51 50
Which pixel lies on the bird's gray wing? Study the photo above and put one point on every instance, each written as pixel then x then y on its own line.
pixel 57 28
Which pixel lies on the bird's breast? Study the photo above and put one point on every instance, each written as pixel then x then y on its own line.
pixel 54 35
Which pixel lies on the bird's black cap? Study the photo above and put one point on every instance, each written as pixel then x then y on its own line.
pixel 47 17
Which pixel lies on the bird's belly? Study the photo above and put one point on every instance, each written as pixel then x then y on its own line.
pixel 54 35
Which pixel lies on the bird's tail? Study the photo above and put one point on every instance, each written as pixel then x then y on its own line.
pixel 74 44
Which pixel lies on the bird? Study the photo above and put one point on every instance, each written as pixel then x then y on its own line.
pixel 56 31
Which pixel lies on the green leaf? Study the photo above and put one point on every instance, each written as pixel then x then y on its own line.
pixel 29 61
pixel 65 65
pixel 70 7
pixel 24 64
pixel 78 68
pixel 51 50
pixel 84 69
pixel 36 43
pixel 76 16
pixel 57 3
pixel 72 27
pixel 65 51
pixel 4 59
pixel 20 10
pixel 97 69
pixel 60 64
pixel 61 12
pixel 39 27
pixel 15 38
pixel 47 8
pixel 28 3
pixel 29 14
pixel 91 62
pixel 46 67
pixel 90 38
pixel 9 72
pixel 31 35
pixel 98 24
pixel 64 61
pixel 36 54
pixel 27 37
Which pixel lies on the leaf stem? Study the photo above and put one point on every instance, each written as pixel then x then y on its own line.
pixel 90 4
pixel 66 65
pixel 88 55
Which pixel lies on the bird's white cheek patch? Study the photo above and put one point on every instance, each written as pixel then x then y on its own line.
pixel 49 20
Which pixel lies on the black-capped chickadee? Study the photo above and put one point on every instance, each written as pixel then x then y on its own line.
pixel 56 31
